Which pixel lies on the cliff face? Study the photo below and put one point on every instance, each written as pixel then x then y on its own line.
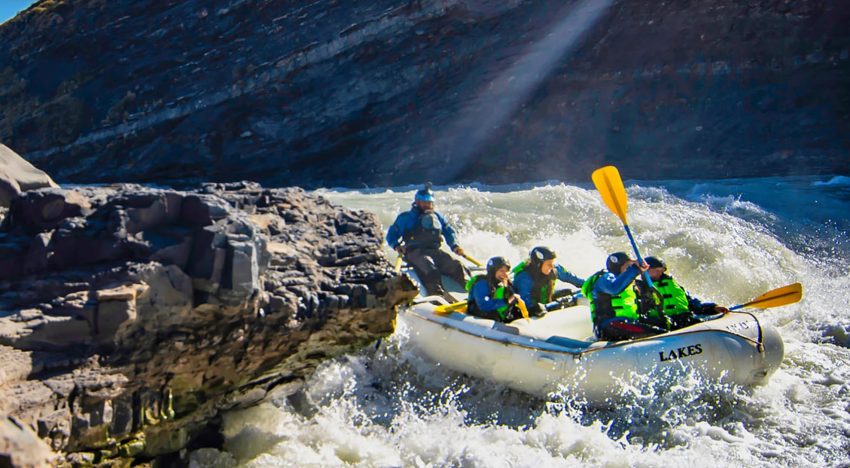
pixel 131 317
pixel 391 92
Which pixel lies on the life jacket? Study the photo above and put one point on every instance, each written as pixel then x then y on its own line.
pixel 426 233
pixel 542 286
pixel 605 306
pixel 498 292
pixel 674 296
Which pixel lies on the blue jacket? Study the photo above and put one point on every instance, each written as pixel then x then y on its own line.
pixel 407 221
pixel 524 284
pixel 485 302
pixel 613 285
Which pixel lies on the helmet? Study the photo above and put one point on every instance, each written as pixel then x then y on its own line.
pixel 655 262
pixel 540 254
pixel 616 260
pixel 424 194
pixel 495 263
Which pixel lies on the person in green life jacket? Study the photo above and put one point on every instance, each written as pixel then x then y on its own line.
pixel 418 234
pixel 613 300
pixel 672 299
pixel 491 296
pixel 535 279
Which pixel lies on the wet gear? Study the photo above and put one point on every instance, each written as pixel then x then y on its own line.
pixel 607 306
pixel 494 264
pixel 536 288
pixel 488 299
pixel 428 226
pixel 674 297
pixel 615 261
pixel 540 254
pixel 424 194
pixel 653 262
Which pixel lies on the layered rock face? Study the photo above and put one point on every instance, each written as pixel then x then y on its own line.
pixel 391 92
pixel 131 316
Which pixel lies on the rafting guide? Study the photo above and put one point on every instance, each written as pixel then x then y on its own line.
pixel 417 235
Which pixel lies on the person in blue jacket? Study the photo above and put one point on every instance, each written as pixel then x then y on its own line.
pixel 491 296
pixel 534 279
pixel 418 234
pixel 613 299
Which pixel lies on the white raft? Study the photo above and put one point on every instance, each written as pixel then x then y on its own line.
pixel 543 355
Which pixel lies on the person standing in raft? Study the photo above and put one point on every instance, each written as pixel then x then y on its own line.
pixel 613 300
pixel 535 279
pixel 418 234
pixel 671 299
pixel 491 296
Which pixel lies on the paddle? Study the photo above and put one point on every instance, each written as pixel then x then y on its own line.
pixel 456 307
pixel 775 298
pixel 471 260
pixel 461 307
pixel 607 180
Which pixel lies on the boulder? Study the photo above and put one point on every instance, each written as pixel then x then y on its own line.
pixel 130 317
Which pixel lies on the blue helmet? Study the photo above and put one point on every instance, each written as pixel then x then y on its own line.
pixel 424 194
pixel 616 260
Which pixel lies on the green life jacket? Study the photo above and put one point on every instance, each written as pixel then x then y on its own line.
pixel 496 293
pixel 675 297
pixel 605 306
pixel 542 287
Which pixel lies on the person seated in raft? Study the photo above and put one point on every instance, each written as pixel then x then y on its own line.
pixel 417 235
pixel 671 299
pixel 613 300
pixel 491 296
pixel 535 278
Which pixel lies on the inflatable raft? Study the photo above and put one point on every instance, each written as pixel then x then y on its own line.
pixel 542 355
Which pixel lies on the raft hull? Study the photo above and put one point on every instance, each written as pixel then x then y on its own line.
pixel 557 351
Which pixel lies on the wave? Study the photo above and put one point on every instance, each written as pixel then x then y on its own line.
pixel 727 241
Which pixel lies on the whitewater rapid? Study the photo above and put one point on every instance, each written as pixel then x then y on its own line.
pixel 726 241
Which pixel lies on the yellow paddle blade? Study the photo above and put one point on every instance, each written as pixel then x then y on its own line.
pixel 448 308
pixel 398 264
pixel 775 298
pixel 607 180
pixel 522 308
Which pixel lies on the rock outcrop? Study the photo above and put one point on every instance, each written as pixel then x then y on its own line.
pixel 130 317
pixel 390 92
pixel 17 175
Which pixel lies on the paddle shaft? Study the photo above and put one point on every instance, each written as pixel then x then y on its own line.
pixel 471 260
pixel 639 258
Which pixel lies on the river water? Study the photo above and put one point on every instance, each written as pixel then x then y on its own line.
pixel 727 241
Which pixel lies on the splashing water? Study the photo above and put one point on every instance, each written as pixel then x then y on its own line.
pixel 391 407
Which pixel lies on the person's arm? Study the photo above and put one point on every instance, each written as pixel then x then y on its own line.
pixel 448 232
pixel 567 277
pixel 610 284
pixel 395 232
pixel 522 286
pixel 483 299
pixel 695 306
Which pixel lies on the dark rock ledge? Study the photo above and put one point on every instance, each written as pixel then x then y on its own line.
pixel 131 317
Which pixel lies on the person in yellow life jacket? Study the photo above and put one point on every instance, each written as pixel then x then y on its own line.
pixel 673 300
pixel 535 279
pixel 613 300
pixel 491 296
